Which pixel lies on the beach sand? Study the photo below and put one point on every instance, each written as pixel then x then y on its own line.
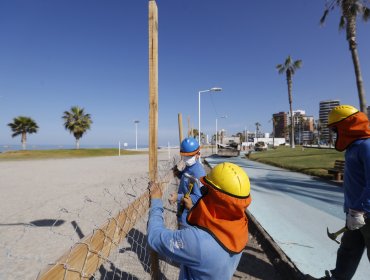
pixel 48 205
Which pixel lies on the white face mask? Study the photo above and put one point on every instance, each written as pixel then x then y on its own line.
pixel 189 161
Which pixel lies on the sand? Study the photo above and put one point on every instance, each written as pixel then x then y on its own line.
pixel 48 205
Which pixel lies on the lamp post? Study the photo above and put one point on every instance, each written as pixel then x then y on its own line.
pixel 136 122
pixel 202 91
pixel 224 117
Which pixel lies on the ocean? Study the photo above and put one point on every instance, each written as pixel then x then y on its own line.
pixel 4 147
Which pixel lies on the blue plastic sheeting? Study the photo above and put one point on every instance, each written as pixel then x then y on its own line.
pixel 295 210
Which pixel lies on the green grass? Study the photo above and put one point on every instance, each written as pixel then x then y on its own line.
pixel 310 161
pixel 49 154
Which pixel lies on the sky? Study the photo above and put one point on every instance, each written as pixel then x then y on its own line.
pixel 94 54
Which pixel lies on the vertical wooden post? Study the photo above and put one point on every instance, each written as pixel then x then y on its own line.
pixel 153 111
pixel 181 137
pixel 190 131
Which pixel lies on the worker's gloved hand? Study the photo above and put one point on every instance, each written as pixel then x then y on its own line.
pixel 173 198
pixel 176 173
pixel 355 219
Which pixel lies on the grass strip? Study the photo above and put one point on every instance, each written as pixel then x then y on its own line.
pixel 71 153
pixel 311 161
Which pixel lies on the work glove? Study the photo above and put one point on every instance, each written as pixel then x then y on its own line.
pixel 176 173
pixel 355 219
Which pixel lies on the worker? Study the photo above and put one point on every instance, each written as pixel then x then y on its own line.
pixel 190 154
pixel 353 135
pixel 211 247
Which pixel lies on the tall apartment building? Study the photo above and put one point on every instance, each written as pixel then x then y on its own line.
pixel 303 127
pixel 281 123
pixel 325 108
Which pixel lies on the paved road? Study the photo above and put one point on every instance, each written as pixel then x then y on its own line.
pixel 295 210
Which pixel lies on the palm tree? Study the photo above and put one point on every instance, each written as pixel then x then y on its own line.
pixel 274 123
pixel 257 124
pixel 289 67
pixel 77 122
pixel 350 9
pixel 21 126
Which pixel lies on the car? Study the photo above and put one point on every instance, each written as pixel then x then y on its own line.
pixel 260 146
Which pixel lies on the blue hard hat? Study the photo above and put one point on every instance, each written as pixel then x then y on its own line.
pixel 189 147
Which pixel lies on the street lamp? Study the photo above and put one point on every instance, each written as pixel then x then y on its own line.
pixel 223 117
pixel 202 91
pixel 136 122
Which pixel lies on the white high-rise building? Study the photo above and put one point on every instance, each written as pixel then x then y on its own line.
pixel 325 107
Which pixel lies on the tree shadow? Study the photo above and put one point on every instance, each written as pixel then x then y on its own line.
pixel 77 229
pixel 39 223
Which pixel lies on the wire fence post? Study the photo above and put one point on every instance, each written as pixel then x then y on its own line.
pixel 153 112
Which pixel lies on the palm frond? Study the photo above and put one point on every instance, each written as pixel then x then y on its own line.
pixel 365 13
pixel 342 23
pixel 23 124
pixel 297 64
pixel 322 19
pixel 77 121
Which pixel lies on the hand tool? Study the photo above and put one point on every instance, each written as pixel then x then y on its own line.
pixel 192 181
pixel 334 235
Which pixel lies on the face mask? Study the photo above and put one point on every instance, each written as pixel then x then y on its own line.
pixel 189 161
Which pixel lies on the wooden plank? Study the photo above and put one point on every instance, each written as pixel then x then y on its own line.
pixel 153 111
pixel 179 118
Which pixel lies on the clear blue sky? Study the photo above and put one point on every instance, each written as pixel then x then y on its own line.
pixel 94 54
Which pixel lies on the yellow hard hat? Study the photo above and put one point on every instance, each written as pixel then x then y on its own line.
pixel 229 178
pixel 340 113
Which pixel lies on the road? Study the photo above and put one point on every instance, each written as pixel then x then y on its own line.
pixel 295 210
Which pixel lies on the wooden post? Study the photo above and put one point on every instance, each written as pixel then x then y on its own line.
pixel 190 132
pixel 181 137
pixel 153 111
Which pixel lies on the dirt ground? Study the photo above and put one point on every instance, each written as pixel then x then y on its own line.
pixel 255 264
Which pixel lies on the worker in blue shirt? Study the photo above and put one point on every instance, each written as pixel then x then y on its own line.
pixel 190 154
pixel 353 136
pixel 211 247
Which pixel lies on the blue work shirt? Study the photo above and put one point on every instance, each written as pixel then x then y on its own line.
pixel 356 183
pixel 197 171
pixel 198 253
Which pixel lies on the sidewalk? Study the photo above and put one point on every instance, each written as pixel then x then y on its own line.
pixel 295 210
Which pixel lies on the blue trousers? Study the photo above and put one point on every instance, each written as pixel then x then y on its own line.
pixel 351 249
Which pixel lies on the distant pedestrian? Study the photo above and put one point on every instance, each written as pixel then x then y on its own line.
pixel 190 154
pixel 353 135
pixel 210 248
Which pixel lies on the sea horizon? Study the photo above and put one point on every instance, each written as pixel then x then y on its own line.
pixel 13 147
pixel 34 147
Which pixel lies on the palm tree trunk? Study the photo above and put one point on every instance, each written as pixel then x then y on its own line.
pixel 24 140
pixel 289 81
pixel 351 38
pixel 77 144
pixel 359 81
pixel 273 133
